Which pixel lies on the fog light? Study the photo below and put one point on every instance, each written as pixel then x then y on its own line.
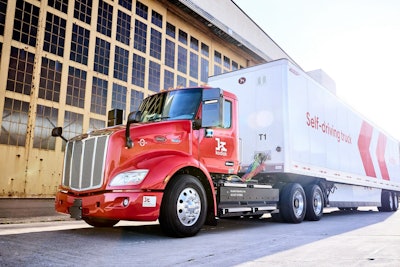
pixel 125 202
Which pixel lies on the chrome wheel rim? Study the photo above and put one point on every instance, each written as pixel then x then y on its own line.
pixel 188 207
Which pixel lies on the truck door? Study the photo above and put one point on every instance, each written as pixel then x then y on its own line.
pixel 218 135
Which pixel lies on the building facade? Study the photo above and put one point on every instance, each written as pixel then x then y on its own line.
pixel 68 62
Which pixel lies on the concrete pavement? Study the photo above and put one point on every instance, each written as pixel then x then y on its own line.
pixel 24 210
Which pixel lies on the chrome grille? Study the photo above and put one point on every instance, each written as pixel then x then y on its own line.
pixel 84 163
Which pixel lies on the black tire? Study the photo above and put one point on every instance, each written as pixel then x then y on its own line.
pixel 100 222
pixel 315 203
pixel 386 201
pixel 183 207
pixel 395 201
pixel 292 203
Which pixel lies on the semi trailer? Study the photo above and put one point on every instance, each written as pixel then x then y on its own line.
pixel 264 139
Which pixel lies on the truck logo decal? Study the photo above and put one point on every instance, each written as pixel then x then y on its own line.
pixel 242 80
pixel 220 150
pixel 142 142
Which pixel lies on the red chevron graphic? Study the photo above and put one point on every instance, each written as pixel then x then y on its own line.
pixel 364 141
pixel 380 154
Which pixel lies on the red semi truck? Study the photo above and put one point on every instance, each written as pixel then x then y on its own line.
pixel 275 142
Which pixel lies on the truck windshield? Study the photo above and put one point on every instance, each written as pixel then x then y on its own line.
pixel 171 105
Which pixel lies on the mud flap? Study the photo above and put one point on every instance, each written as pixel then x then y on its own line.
pixel 76 209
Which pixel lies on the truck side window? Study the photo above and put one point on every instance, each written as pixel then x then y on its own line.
pixel 227 114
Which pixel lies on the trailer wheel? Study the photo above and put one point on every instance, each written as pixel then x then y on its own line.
pixel 292 203
pixel 315 202
pixel 386 201
pixel 395 201
pixel 183 208
pixel 100 222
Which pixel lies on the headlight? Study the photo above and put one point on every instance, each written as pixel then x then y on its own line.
pixel 129 178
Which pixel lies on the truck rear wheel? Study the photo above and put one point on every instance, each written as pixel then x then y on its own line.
pixel 183 208
pixel 100 222
pixel 395 201
pixel 386 201
pixel 292 203
pixel 315 203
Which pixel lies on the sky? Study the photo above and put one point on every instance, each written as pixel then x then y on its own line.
pixel 356 42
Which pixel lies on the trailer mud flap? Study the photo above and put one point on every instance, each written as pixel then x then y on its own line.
pixel 76 209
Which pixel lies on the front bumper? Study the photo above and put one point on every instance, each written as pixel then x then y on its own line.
pixel 121 205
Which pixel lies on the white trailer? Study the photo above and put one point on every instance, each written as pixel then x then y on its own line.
pixel 293 130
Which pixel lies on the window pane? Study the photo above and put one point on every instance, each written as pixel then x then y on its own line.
pixel 46 119
pixel 20 71
pixel 121 64
pixel 99 96
pixel 76 87
pixel 50 80
pixel 14 122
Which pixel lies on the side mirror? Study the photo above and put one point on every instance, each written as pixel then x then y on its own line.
pixel 57 132
pixel 212 108
pixel 133 117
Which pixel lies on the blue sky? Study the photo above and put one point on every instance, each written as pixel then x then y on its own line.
pixel 356 42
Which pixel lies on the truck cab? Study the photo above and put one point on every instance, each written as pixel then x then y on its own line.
pixel 167 163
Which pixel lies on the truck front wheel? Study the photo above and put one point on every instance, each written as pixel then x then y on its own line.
pixel 292 203
pixel 315 202
pixel 184 206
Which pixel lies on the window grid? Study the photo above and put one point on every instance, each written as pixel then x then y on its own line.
pixel 26 23
pixel 104 20
pixel 182 37
pixel 83 10
pixel 138 70
pixel 54 37
pixel 169 53
pixel 194 65
pixel 194 43
pixel 154 76
pixel 50 80
pixel 3 10
pixel 181 81
pixel 136 99
pixel 118 97
pixel 171 30
pixel 126 3
pixel 121 64
pixel 73 124
pixel 20 71
pixel 140 36
pixel 155 44
pixel 76 87
pixel 123 27
pixel 102 56
pixel 79 44
pixel 61 5
pixel 99 96
pixel 156 18
pixel 46 120
pixel 95 124
pixel 204 70
pixel 14 123
pixel 168 79
pixel 182 59
pixel 141 10
pixel 204 50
